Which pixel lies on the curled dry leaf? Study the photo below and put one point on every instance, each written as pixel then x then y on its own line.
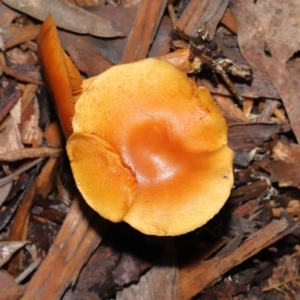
pixel 22 34
pixel 7 249
pixel 67 16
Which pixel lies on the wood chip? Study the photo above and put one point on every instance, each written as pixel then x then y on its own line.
pixel 195 278
pixel 148 17
pixel 78 237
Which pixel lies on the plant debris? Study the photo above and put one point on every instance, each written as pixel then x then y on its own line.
pixel 53 246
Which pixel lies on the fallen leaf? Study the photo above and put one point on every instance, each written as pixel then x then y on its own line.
pixel 66 15
pixel 7 249
pixel 4 191
pixel 284 167
pixel 268 38
pixel 22 34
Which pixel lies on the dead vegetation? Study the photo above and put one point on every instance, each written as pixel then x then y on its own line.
pixel 53 246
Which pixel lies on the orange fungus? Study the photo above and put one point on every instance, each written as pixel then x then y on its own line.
pixel 149 148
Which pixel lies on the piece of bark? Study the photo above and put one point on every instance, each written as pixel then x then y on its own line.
pixel 24 182
pixel 120 260
pixel 10 290
pixel 78 237
pixel 89 2
pixel 29 153
pixel 19 227
pixel 11 101
pixel 232 113
pixel 247 192
pixel 143 31
pixel 268 109
pixel 24 77
pixel 195 278
pixel 161 282
pixel 245 137
pixel 31 133
pixel 246 208
pixel 10 138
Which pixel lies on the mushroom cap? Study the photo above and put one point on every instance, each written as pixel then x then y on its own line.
pixel 62 76
pixel 150 148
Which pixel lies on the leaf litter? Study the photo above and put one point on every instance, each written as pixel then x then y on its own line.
pixel 258 229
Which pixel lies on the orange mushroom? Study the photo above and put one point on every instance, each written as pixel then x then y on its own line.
pixel 149 148
pixel 62 76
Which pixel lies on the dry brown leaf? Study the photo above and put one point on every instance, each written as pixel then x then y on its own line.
pixel 7 15
pixel 285 167
pixel 268 37
pixel 86 57
pixel 66 15
pixel 7 249
pixel 10 139
pixel 22 34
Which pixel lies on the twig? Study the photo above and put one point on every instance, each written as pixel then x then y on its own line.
pixel 276 286
pixel 193 279
pixel 143 31
pixel 80 234
pixel 28 270
pixel 29 153
pixel 25 167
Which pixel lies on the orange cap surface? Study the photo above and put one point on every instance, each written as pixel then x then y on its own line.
pixel 150 148
pixel 62 76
